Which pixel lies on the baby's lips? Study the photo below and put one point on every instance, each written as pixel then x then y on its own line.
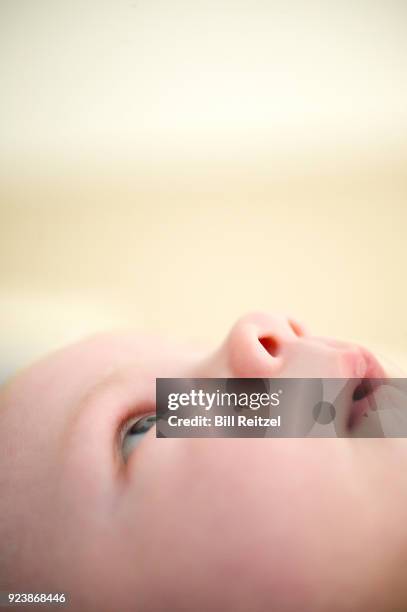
pixel 370 365
pixel 356 361
pixel 350 360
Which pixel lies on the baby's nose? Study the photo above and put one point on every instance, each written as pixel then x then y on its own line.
pixel 262 345
pixel 257 344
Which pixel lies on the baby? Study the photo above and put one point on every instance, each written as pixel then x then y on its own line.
pixel 194 525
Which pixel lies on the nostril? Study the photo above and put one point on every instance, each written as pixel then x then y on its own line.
pixel 270 344
pixel 296 328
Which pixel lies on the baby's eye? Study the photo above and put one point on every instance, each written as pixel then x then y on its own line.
pixel 134 432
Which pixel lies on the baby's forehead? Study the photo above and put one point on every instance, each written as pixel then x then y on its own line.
pixel 64 377
pixel 55 380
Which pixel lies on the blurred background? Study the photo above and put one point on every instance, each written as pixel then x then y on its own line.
pixel 169 166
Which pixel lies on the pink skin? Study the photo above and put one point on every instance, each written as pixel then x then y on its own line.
pixel 282 525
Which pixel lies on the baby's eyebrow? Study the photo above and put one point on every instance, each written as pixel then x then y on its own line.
pixel 90 429
pixel 117 396
pixel 102 390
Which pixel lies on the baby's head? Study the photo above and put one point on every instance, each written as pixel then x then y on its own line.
pixel 282 525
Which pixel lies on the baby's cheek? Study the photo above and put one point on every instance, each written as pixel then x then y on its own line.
pixel 234 525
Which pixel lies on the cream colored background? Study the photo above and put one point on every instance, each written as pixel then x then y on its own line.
pixel 169 165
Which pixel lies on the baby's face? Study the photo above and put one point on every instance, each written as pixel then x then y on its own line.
pixel 195 524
